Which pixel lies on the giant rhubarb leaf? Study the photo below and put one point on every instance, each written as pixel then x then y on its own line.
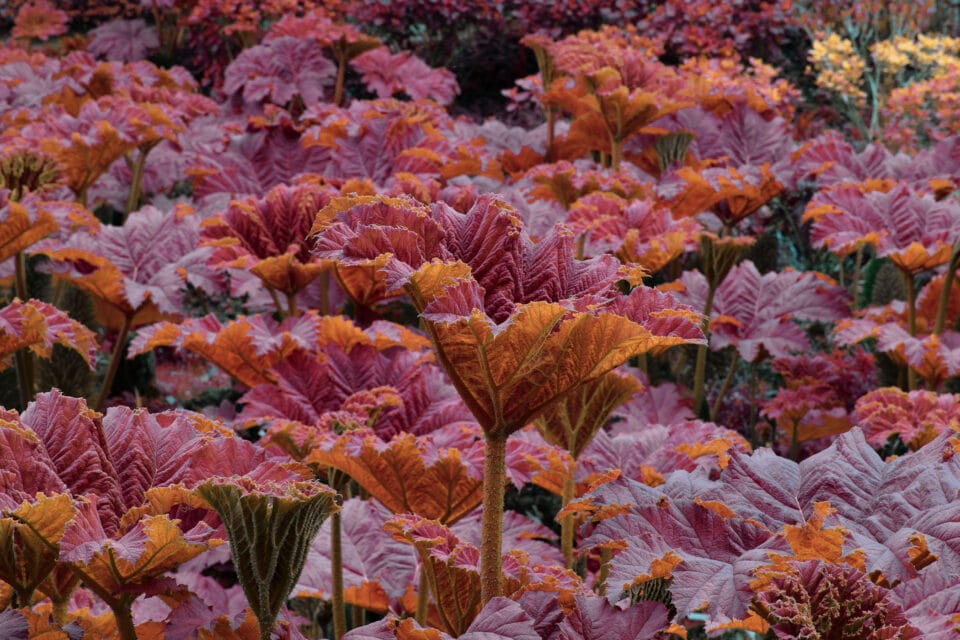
pixel 912 229
pixel 638 231
pixel 733 194
pixel 30 537
pixel 404 473
pixel 509 373
pixel 308 385
pixel 114 566
pixel 883 506
pixel 133 277
pixel 19 230
pixel 387 74
pixel 753 312
pixel 38 326
pixel 279 70
pixel 268 236
pixel 270 527
pixel 707 555
pixel 917 417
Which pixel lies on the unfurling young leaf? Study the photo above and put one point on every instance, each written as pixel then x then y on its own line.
pixel 270 528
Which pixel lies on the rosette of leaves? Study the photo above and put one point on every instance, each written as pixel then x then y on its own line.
pixel 270 526
pixel 517 325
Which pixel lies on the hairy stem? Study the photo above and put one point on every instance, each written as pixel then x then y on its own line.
pixel 25 373
pixel 551 133
pixel 734 361
pixel 491 525
pixel 566 522
pixel 292 309
pixel 700 370
pixel 855 284
pixel 115 357
pixel 911 323
pixel 136 180
pixel 341 78
pixel 601 587
pixel 124 617
pixel 944 301
pixel 336 562
pixel 423 599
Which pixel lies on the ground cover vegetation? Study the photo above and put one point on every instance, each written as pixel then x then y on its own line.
pixel 580 320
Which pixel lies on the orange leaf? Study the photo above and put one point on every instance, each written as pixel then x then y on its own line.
pixel 398 475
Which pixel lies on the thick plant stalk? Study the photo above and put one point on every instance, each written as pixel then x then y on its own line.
pixel 567 523
pixel 423 599
pixel 136 180
pixel 341 79
pixel 911 323
pixel 700 370
pixel 25 373
pixel 715 409
pixel 115 357
pixel 605 555
pixel 855 284
pixel 292 308
pixel 336 562
pixel 491 526
pixel 124 618
pixel 944 301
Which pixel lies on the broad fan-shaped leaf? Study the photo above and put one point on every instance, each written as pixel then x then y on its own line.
pixel 753 312
pixel 708 555
pixel 132 275
pixel 250 164
pixel 308 385
pixel 572 422
pixel 731 193
pixel 268 236
pixel 638 231
pixel 931 602
pixel 404 473
pixel 594 618
pixel 883 506
pixel 38 326
pixel 236 347
pixel 387 74
pixel 146 551
pixel 19 230
pixel 280 69
pixel 917 417
pixel 511 372
pixel 452 568
pixel 912 229
pixel 379 139
pixel 30 537
pixel 123 40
